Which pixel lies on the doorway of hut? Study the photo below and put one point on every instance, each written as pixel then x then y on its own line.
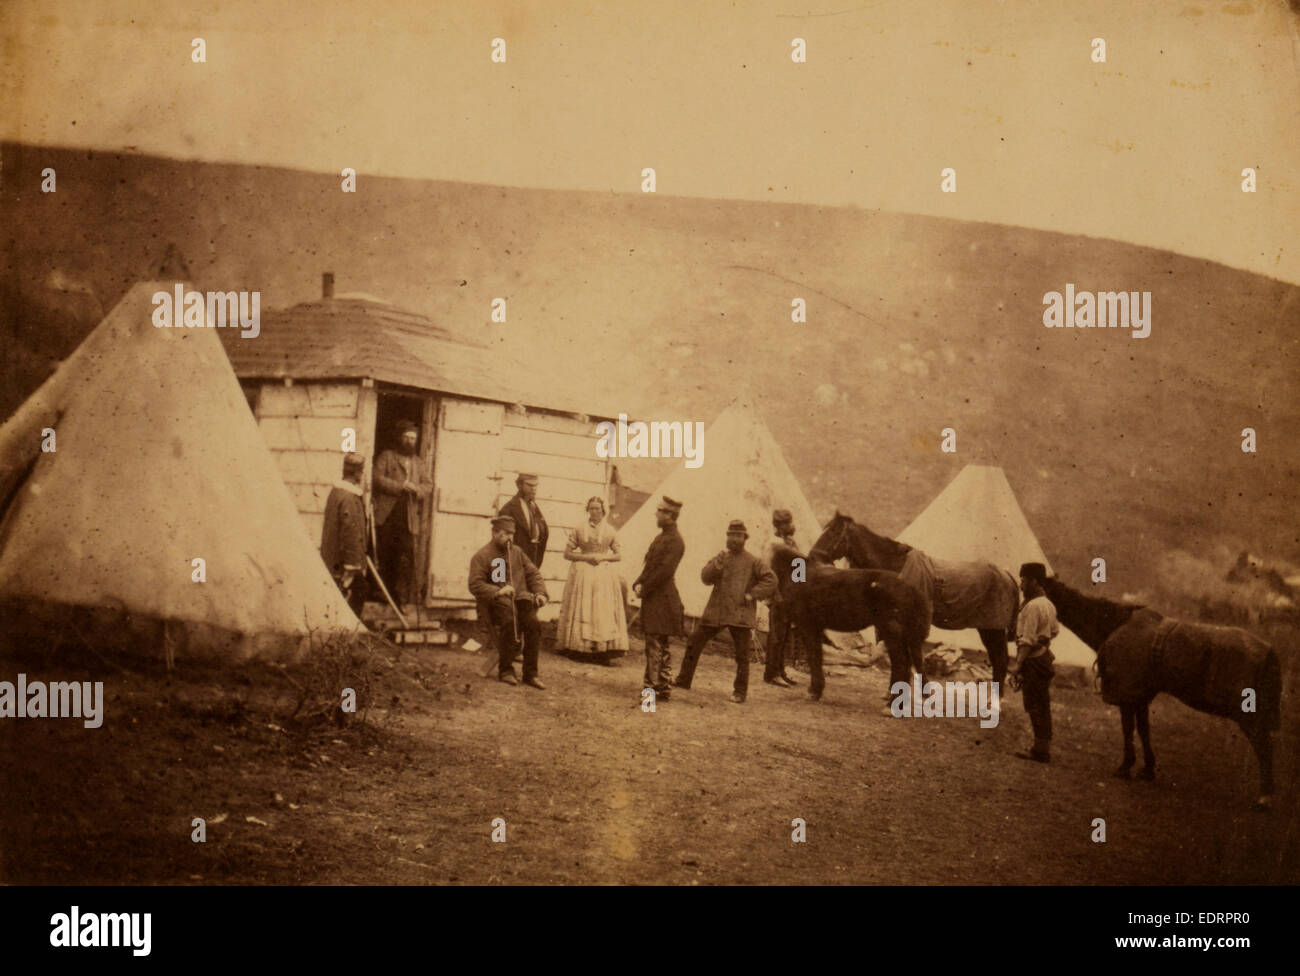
pixel 403 564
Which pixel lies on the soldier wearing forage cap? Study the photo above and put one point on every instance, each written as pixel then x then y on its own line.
pixel 739 580
pixel 780 629
pixel 504 580
pixel 399 487
pixel 343 536
pixel 1032 669
pixel 661 606
pixel 531 531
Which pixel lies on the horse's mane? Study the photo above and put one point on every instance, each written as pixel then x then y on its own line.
pixel 882 548
pixel 880 545
pixel 1093 618
pixel 817 552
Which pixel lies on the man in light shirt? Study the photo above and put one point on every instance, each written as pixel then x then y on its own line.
pixel 1032 669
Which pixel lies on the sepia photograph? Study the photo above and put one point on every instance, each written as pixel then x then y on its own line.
pixel 677 444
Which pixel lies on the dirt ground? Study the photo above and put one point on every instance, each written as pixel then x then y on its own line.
pixel 593 789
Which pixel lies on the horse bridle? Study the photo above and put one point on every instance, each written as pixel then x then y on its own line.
pixel 840 541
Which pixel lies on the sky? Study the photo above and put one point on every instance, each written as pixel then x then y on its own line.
pixel 1147 147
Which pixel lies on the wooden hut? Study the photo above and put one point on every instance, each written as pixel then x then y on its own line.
pixel 355 366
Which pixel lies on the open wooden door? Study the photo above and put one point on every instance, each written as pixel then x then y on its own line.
pixel 466 481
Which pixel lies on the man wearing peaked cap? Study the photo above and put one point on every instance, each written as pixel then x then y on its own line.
pixel 661 605
pixel 739 580
pixel 343 534
pixel 509 588
pixel 531 530
pixel 1032 669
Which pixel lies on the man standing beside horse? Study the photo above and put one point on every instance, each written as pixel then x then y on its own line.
pixel 739 580
pixel 780 629
pixel 1032 669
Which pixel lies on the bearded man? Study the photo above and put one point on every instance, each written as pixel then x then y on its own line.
pixel 400 489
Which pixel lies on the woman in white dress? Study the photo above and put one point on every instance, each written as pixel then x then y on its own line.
pixel 593 618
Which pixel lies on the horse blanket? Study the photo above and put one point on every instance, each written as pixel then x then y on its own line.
pixel 962 595
pixel 1206 667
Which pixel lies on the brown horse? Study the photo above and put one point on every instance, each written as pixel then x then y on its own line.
pixel 826 598
pixel 1141 653
pixel 959 594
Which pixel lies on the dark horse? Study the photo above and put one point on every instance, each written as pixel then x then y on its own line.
pixel 959 595
pixel 850 600
pixel 1141 653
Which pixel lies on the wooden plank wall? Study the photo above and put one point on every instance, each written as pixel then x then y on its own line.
pixel 561 451
pixel 303 428
pixel 479 450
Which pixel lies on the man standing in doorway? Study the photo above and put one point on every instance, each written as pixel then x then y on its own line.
pixel 531 531
pixel 399 489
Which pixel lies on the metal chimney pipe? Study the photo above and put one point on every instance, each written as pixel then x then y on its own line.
pixel 327 284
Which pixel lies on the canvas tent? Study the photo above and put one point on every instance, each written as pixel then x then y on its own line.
pixel 743 476
pixel 157 462
pixel 977 517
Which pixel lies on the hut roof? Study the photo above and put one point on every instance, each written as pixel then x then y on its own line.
pixel 360 336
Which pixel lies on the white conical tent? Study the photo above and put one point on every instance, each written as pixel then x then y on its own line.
pixel 743 476
pixel 977 518
pixel 158 462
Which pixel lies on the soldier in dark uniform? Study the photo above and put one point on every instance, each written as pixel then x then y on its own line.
pixel 343 534
pixel 661 606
